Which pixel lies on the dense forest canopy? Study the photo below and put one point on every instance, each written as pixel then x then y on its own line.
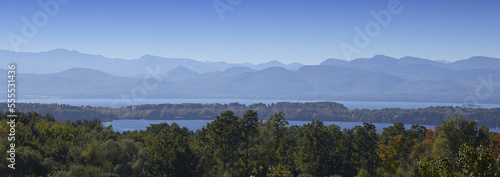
pixel 324 111
pixel 247 145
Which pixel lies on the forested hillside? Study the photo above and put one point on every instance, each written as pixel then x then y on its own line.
pixel 234 145
pixel 325 111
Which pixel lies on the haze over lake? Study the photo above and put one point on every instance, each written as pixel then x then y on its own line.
pixel 116 103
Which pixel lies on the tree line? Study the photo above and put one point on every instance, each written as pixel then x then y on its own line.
pixel 247 145
pixel 325 111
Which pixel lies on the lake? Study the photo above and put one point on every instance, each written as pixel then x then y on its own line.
pixel 125 125
pixel 349 104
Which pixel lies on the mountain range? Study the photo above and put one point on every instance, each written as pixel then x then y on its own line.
pixel 61 59
pixel 71 74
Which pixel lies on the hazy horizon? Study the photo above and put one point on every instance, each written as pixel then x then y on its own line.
pixel 249 62
pixel 255 31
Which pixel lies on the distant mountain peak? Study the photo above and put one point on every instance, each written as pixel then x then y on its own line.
pixel 66 51
pixel 381 56
pixel 180 73
pixel 476 62
pixel 335 62
pixel 336 59
pixel 182 69
pixel 72 54
pixel 409 60
pixel 275 69
pixel 274 62
pixel 483 58
pixel 443 61
pixel 80 72
pixel 238 69
pixel 60 50
pixel 148 56
pixel 412 58
pixel 385 57
pixel 80 69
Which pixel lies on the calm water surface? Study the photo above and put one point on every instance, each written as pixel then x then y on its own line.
pixel 116 103
pixel 125 125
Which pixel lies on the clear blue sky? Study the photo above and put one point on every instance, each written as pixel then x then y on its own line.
pixel 256 31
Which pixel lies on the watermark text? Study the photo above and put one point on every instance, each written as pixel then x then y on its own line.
pixel 11 124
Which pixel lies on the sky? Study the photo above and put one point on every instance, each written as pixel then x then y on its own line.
pixel 255 31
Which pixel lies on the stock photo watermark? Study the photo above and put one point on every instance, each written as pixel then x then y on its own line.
pixel 221 7
pixel 363 37
pixel 11 116
pixel 139 93
pixel 482 91
pixel 31 25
